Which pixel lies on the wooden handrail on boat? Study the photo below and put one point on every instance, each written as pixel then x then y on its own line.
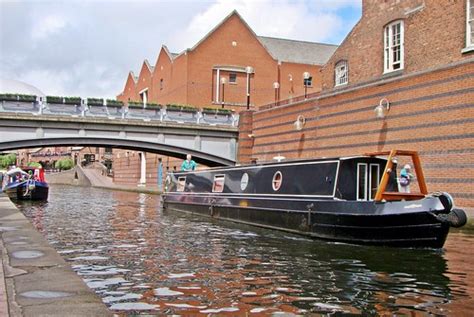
pixel 382 194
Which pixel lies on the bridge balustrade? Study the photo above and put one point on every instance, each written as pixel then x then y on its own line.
pixel 97 111
pixel 143 113
pixel 62 109
pixel 16 106
pixel 181 116
pixel 120 112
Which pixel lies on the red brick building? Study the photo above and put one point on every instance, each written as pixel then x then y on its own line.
pixel 228 64
pixel 415 56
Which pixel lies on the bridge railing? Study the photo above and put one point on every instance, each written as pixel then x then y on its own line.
pixel 178 115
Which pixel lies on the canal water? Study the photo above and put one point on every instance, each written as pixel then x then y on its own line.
pixel 142 260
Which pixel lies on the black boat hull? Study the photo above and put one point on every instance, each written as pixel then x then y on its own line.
pixel 40 192
pixel 407 229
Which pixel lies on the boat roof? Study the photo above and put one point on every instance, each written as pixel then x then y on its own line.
pixel 285 162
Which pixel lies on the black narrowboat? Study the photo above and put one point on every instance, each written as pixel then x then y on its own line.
pixel 346 199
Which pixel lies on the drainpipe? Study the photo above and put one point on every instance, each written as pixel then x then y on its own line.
pixel 142 169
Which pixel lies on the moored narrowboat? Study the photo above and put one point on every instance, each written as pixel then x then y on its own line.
pixel 346 199
pixel 27 183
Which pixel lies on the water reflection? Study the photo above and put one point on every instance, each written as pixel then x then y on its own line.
pixel 141 259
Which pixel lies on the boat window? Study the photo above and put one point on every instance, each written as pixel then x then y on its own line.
pixel 374 180
pixel 181 184
pixel 361 181
pixel 218 185
pixel 277 179
pixel 244 181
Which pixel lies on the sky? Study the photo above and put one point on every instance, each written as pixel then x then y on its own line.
pixel 87 47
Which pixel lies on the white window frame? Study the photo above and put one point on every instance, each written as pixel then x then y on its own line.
pixel 181 184
pixel 370 179
pixel 217 180
pixel 235 77
pixel 365 181
pixel 469 30
pixel 341 73
pixel 388 36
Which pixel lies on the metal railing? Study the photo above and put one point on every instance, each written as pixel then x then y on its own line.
pixel 115 112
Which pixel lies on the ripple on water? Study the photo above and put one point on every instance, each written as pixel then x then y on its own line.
pixel 133 306
pixel 165 291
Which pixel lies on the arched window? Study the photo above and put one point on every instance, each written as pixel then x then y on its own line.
pixel 341 73
pixel 393 46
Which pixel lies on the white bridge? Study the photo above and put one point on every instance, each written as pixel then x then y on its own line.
pixel 211 138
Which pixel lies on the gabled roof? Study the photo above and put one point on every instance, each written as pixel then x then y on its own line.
pixel 150 68
pixel 132 75
pixel 302 52
pixel 234 12
pixel 167 51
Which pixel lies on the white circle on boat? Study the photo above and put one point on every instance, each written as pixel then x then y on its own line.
pixel 244 181
pixel 277 180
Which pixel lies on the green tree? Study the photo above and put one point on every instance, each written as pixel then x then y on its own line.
pixel 34 164
pixel 7 160
pixel 64 164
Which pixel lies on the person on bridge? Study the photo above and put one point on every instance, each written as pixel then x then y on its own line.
pixel 188 164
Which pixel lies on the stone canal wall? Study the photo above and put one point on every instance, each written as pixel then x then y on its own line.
pixel 74 176
pixel 34 279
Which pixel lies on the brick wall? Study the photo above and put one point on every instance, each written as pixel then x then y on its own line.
pixel 434 36
pixel 191 78
pixel 431 112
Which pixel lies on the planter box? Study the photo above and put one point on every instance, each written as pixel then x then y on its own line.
pixel 17 97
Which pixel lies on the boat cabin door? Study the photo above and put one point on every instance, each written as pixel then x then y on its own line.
pixel 368 180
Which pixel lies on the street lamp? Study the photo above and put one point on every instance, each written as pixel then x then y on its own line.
pixel 276 86
pixel 249 71
pixel 306 77
pixel 382 109
pixel 223 80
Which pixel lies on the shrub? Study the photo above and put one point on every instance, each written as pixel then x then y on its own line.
pixel 7 160
pixel 182 108
pixel 17 97
pixel 64 164
pixel 135 104
pixel 65 100
pixel 216 111
pixel 95 101
pixel 113 102
pixel 72 100
pixel 34 164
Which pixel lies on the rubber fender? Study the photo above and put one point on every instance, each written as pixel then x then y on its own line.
pixel 447 201
pixel 457 218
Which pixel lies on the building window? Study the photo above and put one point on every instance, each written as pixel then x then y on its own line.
pixel 341 73
pixel 232 78
pixel 161 84
pixel 393 46
pixel 470 24
pixel 218 185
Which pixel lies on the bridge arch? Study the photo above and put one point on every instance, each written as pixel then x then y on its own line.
pixel 127 144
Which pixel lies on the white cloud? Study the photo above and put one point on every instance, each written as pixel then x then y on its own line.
pixel 312 21
pixel 87 48
pixel 46 26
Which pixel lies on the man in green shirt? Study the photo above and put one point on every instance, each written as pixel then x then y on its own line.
pixel 188 164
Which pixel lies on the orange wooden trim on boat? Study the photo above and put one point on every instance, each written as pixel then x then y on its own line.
pixel 382 194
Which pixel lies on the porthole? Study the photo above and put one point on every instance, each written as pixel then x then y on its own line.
pixel 244 181
pixel 277 180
